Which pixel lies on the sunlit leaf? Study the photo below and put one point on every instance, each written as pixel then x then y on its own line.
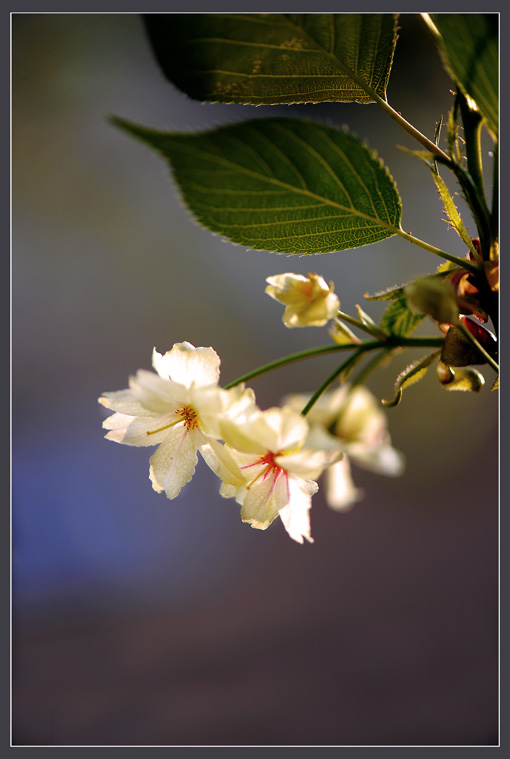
pixel 398 319
pixel 469 46
pixel 411 374
pixel 268 58
pixel 284 185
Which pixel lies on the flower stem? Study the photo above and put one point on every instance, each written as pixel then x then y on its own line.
pixel 464 263
pixel 472 339
pixel 332 377
pixel 390 342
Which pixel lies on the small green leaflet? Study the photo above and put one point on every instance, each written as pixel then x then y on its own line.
pixel 469 46
pixel 413 373
pixel 284 185
pixel 269 58
pixel 399 320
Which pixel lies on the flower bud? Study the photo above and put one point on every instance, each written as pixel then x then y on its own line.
pixel 434 297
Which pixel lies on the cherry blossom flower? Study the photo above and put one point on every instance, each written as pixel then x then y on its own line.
pixel 278 471
pixel 177 409
pixel 352 420
pixel 309 301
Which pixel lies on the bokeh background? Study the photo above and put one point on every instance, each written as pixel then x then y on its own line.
pixel 143 621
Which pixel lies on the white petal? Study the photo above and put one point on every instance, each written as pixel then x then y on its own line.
pixel 135 430
pixel 325 409
pixel 309 463
pixel 186 364
pixel 382 460
pixel 173 464
pixel 341 493
pixel 125 402
pixel 228 491
pixel 219 459
pixel 296 514
pixel 263 500
pixel 156 394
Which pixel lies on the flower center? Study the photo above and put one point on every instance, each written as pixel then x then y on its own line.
pixel 271 468
pixel 189 416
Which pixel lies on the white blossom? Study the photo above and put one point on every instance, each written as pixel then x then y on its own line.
pixel 278 471
pixel 309 301
pixel 351 420
pixel 178 409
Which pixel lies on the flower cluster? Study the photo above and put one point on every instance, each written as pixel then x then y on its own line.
pixel 260 456
pixel 269 461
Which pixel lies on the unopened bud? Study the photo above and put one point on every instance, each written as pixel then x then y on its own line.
pixel 434 297
pixel 444 373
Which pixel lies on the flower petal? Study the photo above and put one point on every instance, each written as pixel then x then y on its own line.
pixel 135 430
pixel 264 499
pixel 341 493
pixel 186 364
pixel 295 515
pixel 156 394
pixel 174 462
pixel 125 402
pixel 383 459
pixel 219 459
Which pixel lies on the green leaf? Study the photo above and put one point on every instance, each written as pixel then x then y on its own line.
pixel 269 58
pixel 399 320
pixel 285 185
pixel 411 374
pixel 469 46
pixel 370 324
pixel 452 213
pixel 341 333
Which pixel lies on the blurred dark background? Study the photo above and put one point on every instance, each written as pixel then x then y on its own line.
pixel 138 620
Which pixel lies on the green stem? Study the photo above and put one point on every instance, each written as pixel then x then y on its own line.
pixel 332 377
pixel 462 262
pixel 472 339
pixel 390 342
pixel 355 322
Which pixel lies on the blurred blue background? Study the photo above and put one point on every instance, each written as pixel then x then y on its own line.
pixel 138 620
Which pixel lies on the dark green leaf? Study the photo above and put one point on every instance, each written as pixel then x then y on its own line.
pixel 268 58
pixel 399 320
pixel 411 374
pixel 469 46
pixel 285 185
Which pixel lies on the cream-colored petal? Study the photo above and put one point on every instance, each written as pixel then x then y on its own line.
pixel 125 402
pixel 383 459
pixel 133 430
pixel 295 515
pixel 341 493
pixel 174 462
pixel 263 500
pixel 219 459
pixel 228 491
pixel 186 364
pixel 156 394
pixel 309 463
pixel 361 418
pixel 238 433
pixel 288 427
pixel 324 411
